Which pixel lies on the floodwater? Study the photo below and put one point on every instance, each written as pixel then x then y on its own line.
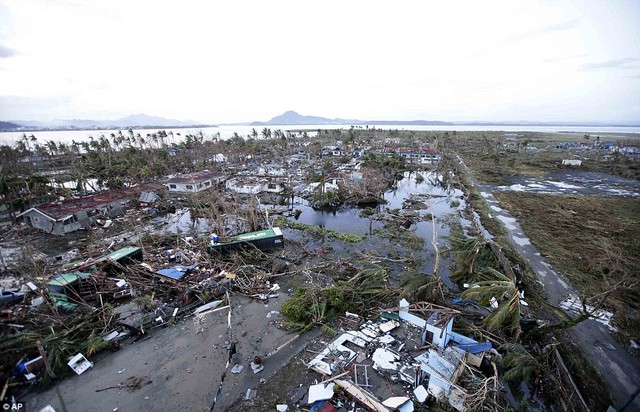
pixel 377 241
pixel 573 183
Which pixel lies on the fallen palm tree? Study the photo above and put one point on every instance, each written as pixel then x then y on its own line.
pixel 364 292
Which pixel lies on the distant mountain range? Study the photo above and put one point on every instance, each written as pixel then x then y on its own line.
pixel 136 120
pixel 8 126
pixel 290 118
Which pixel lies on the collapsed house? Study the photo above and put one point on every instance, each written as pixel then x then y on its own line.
pixel 256 184
pixel 76 213
pixel 424 355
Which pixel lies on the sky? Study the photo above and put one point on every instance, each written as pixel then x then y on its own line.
pixel 236 61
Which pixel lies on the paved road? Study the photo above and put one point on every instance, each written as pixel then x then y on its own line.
pixel 619 369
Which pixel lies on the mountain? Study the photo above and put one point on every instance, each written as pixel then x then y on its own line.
pixel 137 120
pixel 144 120
pixel 8 126
pixel 292 118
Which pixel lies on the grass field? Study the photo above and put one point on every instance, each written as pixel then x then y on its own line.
pixel 494 159
pixel 593 241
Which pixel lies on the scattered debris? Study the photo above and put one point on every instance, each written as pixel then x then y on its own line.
pixel 237 368
pixel 132 384
pixel 79 364
pixel 320 392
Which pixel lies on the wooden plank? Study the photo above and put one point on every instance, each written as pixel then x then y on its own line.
pixel 369 402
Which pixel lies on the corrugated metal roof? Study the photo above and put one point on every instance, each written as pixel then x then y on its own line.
pixel 67 278
pixel 119 254
pixel 148 197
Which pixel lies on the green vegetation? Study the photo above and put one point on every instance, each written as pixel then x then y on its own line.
pixel 593 241
pixel 518 363
pixel 419 287
pixel 390 165
pixel 78 334
pixel 316 230
pixel 492 284
pixel 312 306
pixel 473 255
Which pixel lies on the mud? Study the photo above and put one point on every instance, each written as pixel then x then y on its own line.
pixel 185 367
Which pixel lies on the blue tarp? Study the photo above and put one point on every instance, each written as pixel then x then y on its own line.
pixel 475 347
pixel 317 406
pixel 175 272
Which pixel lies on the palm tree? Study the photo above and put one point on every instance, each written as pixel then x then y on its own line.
pixel 520 365
pixel 53 147
pixel 491 284
pixel 473 255
pixel 422 287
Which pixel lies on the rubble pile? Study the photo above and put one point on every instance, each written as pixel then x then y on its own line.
pixel 53 326
pixel 400 359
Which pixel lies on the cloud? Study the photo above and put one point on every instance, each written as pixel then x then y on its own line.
pixel 561 59
pixel 6 51
pixel 616 64
pixel 565 25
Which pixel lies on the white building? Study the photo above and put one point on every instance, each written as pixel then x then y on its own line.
pixel 194 182
pixel 255 185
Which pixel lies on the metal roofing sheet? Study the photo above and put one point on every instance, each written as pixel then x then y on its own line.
pixel 148 197
pixel 255 235
pixel 475 347
pixel 67 278
pixel 119 254
pixel 175 272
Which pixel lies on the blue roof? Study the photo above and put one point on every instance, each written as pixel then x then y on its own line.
pixel 475 347
pixel 175 272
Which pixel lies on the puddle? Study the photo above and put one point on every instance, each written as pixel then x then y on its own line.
pixel 575 183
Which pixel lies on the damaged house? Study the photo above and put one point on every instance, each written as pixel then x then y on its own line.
pixel 194 182
pixel 256 184
pixel 75 214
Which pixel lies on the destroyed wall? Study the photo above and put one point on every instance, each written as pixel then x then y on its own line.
pixel 249 186
pixel 88 217
pixel 39 220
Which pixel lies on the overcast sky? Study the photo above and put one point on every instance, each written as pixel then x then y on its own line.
pixel 233 61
